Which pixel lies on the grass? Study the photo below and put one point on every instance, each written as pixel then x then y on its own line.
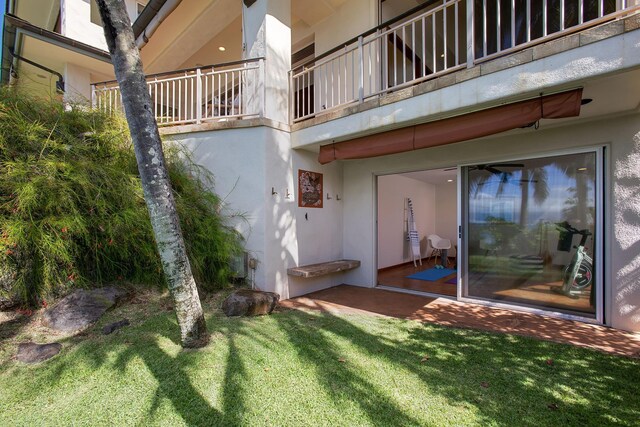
pixel 297 368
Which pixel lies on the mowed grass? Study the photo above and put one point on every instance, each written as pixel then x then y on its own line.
pixel 297 368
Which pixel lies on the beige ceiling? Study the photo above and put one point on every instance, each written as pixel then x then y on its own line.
pixel 193 32
pixel 54 57
pixel 312 12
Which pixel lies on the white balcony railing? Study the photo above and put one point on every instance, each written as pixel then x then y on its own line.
pixel 420 48
pixel 441 37
pixel 193 96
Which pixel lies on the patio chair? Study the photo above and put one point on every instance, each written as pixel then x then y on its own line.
pixel 439 247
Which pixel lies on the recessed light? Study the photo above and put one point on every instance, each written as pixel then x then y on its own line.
pixel 222 48
pixel 449 180
pixel 582 169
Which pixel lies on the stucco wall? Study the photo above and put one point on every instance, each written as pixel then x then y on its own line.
pixel 622 223
pixel 76 23
pixel 247 163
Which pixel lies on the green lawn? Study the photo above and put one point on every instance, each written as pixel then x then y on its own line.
pixel 294 368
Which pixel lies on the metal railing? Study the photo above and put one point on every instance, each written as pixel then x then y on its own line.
pixel 420 48
pixel 216 92
pixel 441 37
pixel 502 26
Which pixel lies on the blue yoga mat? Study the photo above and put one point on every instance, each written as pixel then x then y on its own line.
pixel 432 274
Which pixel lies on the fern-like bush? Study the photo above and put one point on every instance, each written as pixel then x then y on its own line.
pixel 72 211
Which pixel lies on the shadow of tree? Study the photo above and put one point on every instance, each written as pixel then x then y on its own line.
pixel 340 381
pixel 488 372
pixel 501 379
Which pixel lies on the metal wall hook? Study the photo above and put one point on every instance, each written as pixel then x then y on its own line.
pixel 287 194
pixel 338 197
pixel 273 192
pixel 329 197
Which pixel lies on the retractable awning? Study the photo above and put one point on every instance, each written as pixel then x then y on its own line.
pixel 456 129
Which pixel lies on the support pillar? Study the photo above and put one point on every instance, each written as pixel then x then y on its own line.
pixel 267 33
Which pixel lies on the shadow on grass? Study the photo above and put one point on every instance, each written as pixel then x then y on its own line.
pixel 507 379
pixel 499 379
pixel 340 381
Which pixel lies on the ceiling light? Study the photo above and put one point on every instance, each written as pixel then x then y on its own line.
pixel 222 48
pixel 582 169
pixel 449 180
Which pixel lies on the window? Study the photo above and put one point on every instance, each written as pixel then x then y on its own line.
pixel 531 232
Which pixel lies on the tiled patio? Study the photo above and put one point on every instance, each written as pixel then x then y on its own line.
pixel 353 299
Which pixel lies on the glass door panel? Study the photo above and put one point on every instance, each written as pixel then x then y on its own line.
pixel 531 227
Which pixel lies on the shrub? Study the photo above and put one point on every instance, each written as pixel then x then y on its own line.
pixel 72 212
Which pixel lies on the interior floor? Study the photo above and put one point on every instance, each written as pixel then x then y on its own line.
pixel 396 277
pixel 526 294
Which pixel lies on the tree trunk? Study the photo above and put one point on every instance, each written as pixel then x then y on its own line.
pixel 151 164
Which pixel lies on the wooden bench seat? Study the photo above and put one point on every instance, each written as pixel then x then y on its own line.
pixel 320 269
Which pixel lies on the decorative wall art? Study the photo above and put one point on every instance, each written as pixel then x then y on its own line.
pixel 309 189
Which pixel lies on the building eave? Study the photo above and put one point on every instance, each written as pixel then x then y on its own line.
pixel 11 26
pixel 148 13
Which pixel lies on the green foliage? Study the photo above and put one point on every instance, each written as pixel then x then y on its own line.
pixel 72 212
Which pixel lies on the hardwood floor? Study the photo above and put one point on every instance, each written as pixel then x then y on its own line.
pixel 530 293
pixel 397 277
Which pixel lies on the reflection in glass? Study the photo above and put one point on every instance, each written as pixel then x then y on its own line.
pixel 531 232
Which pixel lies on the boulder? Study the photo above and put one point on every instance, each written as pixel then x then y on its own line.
pixel 81 308
pixel 247 302
pixel 30 352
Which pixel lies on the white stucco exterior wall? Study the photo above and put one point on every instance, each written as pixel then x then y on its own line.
pixel 75 17
pixel 77 87
pixel 247 163
pixel 622 206
pixel 267 26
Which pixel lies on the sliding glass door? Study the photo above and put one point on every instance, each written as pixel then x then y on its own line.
pixel 532 232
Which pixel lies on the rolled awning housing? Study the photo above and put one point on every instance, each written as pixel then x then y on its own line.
pixel 456 129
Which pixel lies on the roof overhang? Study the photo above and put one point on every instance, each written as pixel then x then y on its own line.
pixel 25 39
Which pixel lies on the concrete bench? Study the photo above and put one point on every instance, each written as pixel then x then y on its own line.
pixel 320 269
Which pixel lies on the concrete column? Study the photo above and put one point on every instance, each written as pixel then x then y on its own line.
pixel 77 82
pixel 267 33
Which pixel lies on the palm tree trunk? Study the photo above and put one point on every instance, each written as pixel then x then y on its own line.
pixel 153 174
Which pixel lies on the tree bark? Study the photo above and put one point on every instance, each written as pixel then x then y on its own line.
pixel 153 174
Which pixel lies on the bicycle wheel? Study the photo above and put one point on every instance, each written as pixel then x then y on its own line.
pixel 584 276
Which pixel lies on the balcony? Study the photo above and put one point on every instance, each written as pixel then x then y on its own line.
pixel 213 93
pixel 432 40
pixel 442 37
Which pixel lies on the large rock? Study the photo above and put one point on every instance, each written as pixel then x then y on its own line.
pixel 81 308
pixel 247 302
pixel 30 352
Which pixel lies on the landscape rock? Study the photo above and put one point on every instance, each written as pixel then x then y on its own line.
pixel 111 327
pixel 30 352
pixel 81 308
pixel 247 302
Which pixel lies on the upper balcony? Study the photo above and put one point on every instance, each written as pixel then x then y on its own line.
pixel 423 43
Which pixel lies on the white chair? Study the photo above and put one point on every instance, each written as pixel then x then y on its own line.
pixel 438 244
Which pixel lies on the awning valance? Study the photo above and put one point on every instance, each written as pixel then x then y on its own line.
pixel 456 129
